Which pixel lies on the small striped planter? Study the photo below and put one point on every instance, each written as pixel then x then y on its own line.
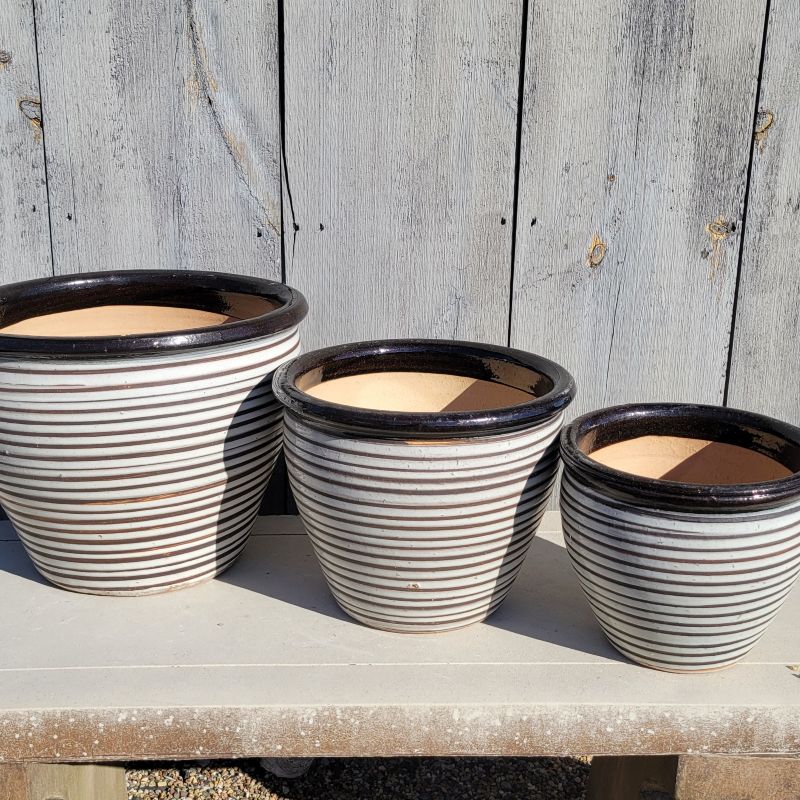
pixel 682 576
pixel 136 464
pixel 421 521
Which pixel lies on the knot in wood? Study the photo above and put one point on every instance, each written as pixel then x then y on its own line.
pixel 597 252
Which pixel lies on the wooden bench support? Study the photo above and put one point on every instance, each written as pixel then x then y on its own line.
pixel 62 782
pixel 694 778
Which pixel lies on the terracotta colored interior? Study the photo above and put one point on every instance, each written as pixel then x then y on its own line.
pixel 420 392
pixel 125 320
pixel 676 458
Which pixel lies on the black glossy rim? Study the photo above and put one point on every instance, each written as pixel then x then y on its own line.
pixel 180 288
pixel 488 362
pixel 770 437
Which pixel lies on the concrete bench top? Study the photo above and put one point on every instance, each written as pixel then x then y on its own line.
pixel 262 662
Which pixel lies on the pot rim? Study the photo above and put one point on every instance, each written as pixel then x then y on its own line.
pixel 470 359
pixel 766 435
pixel 142 287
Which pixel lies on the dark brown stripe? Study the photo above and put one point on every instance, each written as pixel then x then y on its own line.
pixel 252 421
pixel 134 556
pixel 220 562
pixel 102 476
pixel 238 414
pixel 625 580
pixel 715 610
pixel 293 430
pixel 432 538
pixel 246 390
pixel 231 490
pixel 615 509
pixel 486 476
pixel 604 539
pixel 272 431
pixel 656 572
pixel 353 575
pixel 502 544
pixel 232 510
pixel 273 363
pixel 265 345
pixel 515 497
pixel 680 628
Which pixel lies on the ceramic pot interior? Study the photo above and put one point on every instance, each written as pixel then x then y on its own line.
pixel 693 450
pixel 420 392
pixel 424 383
pixel 201 310
pixel 676 458
pixel 134 312
pixel 429 388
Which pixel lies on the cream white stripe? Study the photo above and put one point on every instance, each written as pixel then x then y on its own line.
pixel 416 536
pixel 116 486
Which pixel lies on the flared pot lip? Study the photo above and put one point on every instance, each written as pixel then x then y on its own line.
pixel 763 434
pixel 440 355
pixel 179 288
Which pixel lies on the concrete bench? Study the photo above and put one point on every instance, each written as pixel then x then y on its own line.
pixel 261 662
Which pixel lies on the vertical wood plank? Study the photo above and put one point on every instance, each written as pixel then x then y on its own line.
pixel 635 145
pixel 632 777
pixel 13 782
pixel 400 130
pixel 76 782
pixel 24 229
pixel 765 365
pixel 163 143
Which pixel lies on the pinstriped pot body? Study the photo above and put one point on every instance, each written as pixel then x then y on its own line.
pixel 682 589
pixel 139 473
pixel 420 528
pixel 424 536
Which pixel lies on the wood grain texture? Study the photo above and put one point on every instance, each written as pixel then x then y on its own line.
pixel 163 134
pixel 400 143
pixel 76 782
pixel 765 367
pixel 24 230
pixel 635 145
pixel 632 777
pixel 13 782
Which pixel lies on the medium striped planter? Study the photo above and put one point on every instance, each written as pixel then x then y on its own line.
pixel 683 573
pixel 136 464
pixel 421 520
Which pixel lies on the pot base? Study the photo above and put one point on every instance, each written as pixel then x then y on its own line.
pixel 675 670
pixel 173 587
pixel 416 628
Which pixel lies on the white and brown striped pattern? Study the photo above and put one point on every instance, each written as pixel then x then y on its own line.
pixel 139 474
pixel 680 590
pixel 419 536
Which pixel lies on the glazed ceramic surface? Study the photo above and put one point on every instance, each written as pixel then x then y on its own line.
pixel 683 576
pixel 134 464
pixel 421 519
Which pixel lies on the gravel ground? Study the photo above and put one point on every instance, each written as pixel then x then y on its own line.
pixel 367 779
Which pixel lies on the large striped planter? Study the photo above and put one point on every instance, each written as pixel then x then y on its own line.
pixel 136 464
pixel 683 576
pixel 421 521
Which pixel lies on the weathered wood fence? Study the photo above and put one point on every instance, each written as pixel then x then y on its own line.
pixel 610 183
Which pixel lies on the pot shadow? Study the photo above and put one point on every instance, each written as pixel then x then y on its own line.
pixel 251 487
pixel 13 558
pixel 548 604
pixel 545 601
pixel 268 565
